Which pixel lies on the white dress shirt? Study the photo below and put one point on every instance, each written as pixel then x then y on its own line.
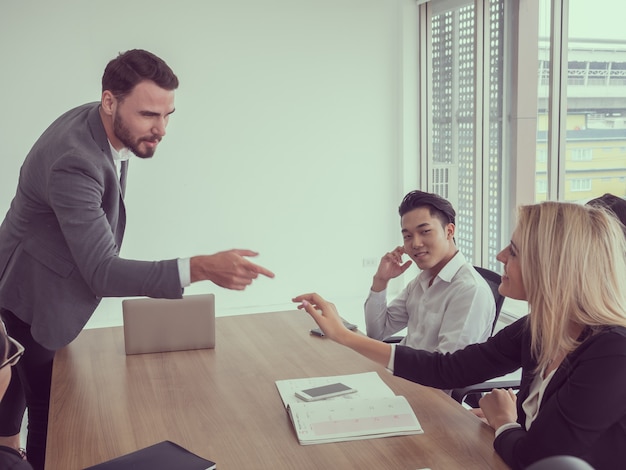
pixel 458 309
pixel 118 157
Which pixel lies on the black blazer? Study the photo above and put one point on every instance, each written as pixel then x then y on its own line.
pixel 583 410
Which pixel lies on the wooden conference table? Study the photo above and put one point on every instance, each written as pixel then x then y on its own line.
pixel 223 404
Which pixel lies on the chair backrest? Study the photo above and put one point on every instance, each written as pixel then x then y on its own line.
pixel 472 393
pixel 493 280
pixel 560 462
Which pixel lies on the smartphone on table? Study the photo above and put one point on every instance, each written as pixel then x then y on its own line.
pixel 324 391
pixel 318 332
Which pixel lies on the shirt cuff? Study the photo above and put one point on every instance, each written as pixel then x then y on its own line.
pixel 378 295
pixel 506 427
pixel 376 304
pixel 184 272
pixel 392 358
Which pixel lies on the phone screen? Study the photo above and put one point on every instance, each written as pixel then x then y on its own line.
pixel 326 389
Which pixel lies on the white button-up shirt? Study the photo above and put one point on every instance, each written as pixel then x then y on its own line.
pixel 458 309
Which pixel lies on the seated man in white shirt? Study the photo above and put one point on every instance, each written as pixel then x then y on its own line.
pixel 448 305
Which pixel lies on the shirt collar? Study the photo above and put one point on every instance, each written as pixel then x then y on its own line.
pixel 447 272
pixel 452 266
pixel 119 156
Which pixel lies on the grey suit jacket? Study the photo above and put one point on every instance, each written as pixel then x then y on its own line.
pixel 60 239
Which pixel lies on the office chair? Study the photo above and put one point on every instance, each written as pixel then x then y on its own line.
pixel 560 462
pixel 493 281
pixel 472 393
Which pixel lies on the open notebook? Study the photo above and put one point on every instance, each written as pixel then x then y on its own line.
pixel 372 411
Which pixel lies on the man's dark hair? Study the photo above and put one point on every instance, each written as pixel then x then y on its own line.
pixel 438 206
pixel 131 67
pixel 613 203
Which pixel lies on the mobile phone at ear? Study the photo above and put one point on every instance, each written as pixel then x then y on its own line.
pixel 325 391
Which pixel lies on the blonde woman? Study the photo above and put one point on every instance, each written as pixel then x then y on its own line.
pixel 568 262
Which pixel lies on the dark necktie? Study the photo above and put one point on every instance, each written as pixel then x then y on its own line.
pixel 123 171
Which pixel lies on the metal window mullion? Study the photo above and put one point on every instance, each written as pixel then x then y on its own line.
pixel 425 92
pixel 481 130
pixel 557 102
pixel 455 93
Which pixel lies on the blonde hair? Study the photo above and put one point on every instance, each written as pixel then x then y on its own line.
pixel 573 262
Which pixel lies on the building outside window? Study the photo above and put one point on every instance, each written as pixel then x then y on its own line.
pixel 581 104
pixel 477 73
pixel 580 184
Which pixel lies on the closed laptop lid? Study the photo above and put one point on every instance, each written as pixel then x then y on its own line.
pixel 160 325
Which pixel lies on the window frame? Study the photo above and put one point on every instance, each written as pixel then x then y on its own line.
pixel 519 115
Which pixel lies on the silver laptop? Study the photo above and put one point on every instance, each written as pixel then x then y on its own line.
pixel 160 325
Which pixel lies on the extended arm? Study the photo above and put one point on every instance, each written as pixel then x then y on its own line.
pixel 325 315
pixel 229 269
pixel 85 202
pixel 476 363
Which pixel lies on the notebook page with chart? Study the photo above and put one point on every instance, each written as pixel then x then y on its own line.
pixel 372 411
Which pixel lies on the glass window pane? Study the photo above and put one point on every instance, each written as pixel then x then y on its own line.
pixel 494 146
pixel 594 157
pixel 453 96
pixel 455 171
pixel 541 165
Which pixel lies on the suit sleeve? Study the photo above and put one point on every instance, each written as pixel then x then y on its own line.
pixel 382 320
pixel 476 363
pixel 76 189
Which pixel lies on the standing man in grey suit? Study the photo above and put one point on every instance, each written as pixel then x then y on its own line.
pixel 60 239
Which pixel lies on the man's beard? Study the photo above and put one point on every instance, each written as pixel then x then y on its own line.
pixel 122 132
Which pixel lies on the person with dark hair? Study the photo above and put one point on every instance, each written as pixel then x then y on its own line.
pixel 614 204
pixel 127 70
pixel 10 353
pixel 61 237
pixel 567 261
pixel 448 305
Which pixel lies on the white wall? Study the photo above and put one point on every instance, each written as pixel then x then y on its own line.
pixel 293 125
